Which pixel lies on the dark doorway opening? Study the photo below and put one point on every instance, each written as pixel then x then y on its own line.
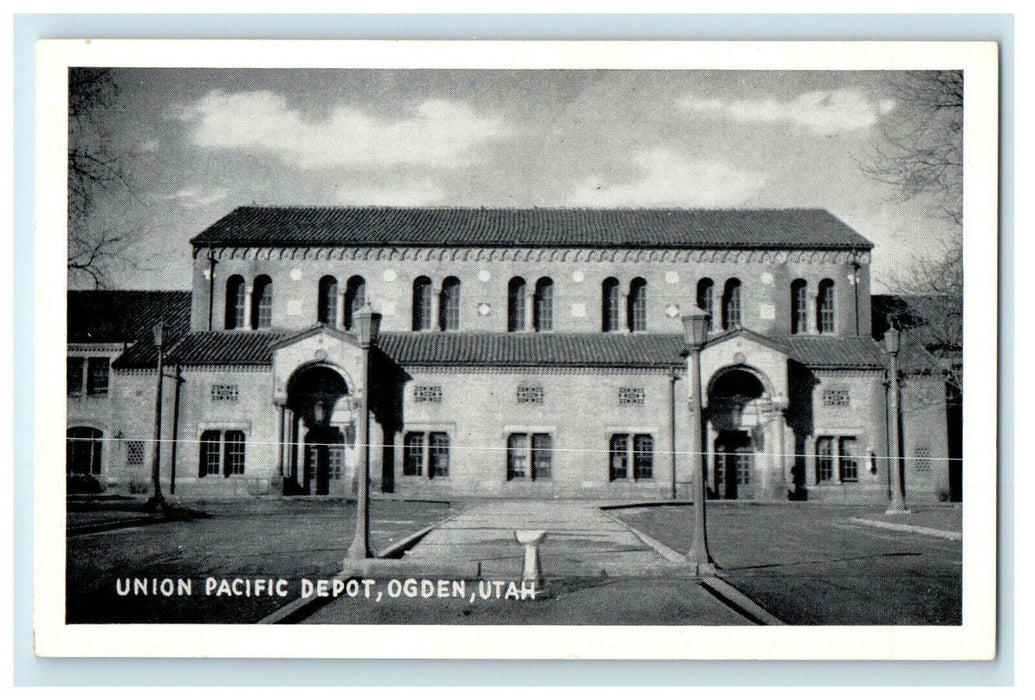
pixel 734 460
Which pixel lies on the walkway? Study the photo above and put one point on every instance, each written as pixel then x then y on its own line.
pixel 582 540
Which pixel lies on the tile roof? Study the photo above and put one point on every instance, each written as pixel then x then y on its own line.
pixel 123 316
pixel 455 227
pixel 413 349
pixel 820 352
pixel 535 349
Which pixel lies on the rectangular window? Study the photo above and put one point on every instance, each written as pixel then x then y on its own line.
pixel 413 454
pixel 619 457
pixel 135 453
pixel 542 456
pixel 742 457
pixel 643 457
pixel 234 450
pixel 74 378
pixel 836 397
pixel 427 394
pixel 824 459
pixel 631 395
pixel 529 394
pixel 210 450
pixel 97 376
pixel 224 392
pixel 848 462
pixel 517 456
pixel 438 455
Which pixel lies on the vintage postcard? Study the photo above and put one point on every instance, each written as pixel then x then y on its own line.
pixel 516 350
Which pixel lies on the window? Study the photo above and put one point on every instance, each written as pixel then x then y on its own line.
pixel 516 305
pixel 355 298
pixel 135 453
pixel 825 307
pixel 635 449
pixel 449 305
pixel 836 397
pixel 706 300
pixel 839 451
pixel 74 376
pixel 529 394
pixel 824 459
pixel 97 376
pixel 740 459
pixel 542 307
pixel 427 393
pixel 529 456
pixel 638 304
pixel 221 452
pixel 610 301
pixel 262 302
pixel 224 392
pixel 429 450
pixel 643 457
pixel 83 451
pixel 327 304
pixel 799 307
pixel 335 461
pixel 235 302
pixel 413 454
pixel 731 305
pixel 422 311
pixel 95 381
pixel 631 395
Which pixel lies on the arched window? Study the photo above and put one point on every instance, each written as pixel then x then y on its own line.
pixel 611 297
pixel 83 451
pixel 638 304
pixel 799 307
pixel 731 305
pixel 327 304
pixel 825 307
pixel 235 302
pixel 542 308
pixel 516 304
pixel 355 298
pixel 706 299
pixel 262 302
pixel 449 305
pixel 422 313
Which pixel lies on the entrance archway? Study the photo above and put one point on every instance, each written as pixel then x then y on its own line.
pixel 737 398
pixel 320 427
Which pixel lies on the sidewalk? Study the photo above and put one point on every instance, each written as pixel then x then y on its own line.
pixel 598 572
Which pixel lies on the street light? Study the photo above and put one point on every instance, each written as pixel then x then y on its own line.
pixel 695 332
pixel 892 344
pixel 368 327
pixel 157 501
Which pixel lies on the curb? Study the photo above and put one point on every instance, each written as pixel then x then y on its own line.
pixel 915 529
pixel 731 596
pixel 664 550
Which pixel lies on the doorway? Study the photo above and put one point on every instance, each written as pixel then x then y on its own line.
pixel 324 458
pixel 734 462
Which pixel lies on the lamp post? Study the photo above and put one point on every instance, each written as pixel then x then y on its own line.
pixel 157 501
pixel 695 332
pixel 892 344
pixel 367 325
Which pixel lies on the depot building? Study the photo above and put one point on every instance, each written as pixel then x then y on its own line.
pixel 534 353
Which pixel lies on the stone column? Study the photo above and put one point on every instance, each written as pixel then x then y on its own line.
pixel 529 310
pixel 813 310
pixel 247 320
pixel 280 435
pixel 623 312
pixel 339 312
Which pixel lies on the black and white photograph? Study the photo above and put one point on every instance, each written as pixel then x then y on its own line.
pixel 613 347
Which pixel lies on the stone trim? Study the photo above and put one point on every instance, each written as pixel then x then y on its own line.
pixel 524 371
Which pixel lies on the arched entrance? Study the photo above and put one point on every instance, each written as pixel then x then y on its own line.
pixel 320 417
pixel 738 404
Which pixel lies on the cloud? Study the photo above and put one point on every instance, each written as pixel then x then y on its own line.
pixel 190 198
pixel 416 193
pixel 669 179
pixel 437 133
pixel 825 112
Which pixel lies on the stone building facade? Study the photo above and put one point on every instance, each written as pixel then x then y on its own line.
pixel 522 353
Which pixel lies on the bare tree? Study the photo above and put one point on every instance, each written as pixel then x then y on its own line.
pixel 919 149
pixel 95 169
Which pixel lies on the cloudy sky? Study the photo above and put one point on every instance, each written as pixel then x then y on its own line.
pixel 204 141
